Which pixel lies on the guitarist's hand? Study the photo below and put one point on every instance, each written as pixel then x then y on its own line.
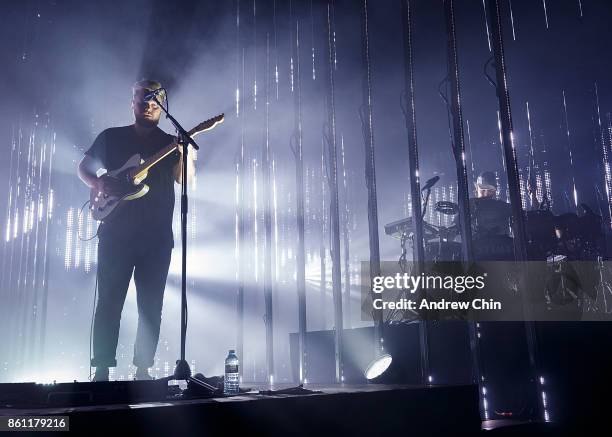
pixel 109 185
pixel 179 147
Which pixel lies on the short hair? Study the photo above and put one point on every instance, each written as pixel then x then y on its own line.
pixel 149 85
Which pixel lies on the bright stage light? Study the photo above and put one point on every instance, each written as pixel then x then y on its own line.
pixel 378 366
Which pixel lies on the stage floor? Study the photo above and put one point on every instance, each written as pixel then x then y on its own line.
pixel 254 394
pixel 331 408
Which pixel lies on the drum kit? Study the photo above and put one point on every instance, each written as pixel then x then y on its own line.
pixel 557 240
pixel 550 238
pixel 568 236
pixel 562 241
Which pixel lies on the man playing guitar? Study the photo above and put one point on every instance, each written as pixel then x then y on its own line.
pixel 137 239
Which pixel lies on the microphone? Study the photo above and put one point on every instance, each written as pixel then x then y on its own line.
pixel 430 183
pixel 153 94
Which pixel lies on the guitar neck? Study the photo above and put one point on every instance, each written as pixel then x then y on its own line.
pixel 141 171
pixel 143 168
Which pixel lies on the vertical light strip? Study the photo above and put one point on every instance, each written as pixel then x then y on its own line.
pixel 275 201
pixel 68 247
pixel 88 244
pixel 77 242
pixel 512 20
pixel 255 220
pixel 484 8
pixel 236 219
pixel 50 205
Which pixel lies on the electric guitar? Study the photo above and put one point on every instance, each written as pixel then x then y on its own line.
pixel 130 176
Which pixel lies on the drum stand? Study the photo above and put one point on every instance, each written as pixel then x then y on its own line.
pixel 403 264
pixel 600 304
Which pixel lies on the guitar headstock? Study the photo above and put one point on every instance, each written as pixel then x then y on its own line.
pixel 207 125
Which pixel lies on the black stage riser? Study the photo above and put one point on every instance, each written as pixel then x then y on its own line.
pixel 575 362
pixel 30 394
pixel 447 339
pixel 448 410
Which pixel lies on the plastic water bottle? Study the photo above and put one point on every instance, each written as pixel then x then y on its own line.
pixel 232 375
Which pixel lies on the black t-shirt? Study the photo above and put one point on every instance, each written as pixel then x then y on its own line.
pixel 149 217
pixel 490 217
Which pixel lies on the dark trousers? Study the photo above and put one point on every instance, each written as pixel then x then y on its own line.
pixel 117 261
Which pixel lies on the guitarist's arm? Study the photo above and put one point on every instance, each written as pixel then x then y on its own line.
pixel 178 167
pixel 88 168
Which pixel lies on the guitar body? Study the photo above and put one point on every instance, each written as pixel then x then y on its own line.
pixel 102 205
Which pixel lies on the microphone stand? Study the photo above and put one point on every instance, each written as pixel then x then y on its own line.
pixel 182 371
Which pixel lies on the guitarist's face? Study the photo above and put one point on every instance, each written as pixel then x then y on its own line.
pixel 481 193
pixel 145 113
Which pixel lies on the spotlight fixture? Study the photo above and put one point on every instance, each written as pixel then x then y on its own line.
pixel 378 366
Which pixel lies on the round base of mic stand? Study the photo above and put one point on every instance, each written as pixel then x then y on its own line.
pixel 182 372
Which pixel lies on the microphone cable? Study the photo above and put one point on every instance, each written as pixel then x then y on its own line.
pixel 93 309
pixel 93 312
pixel 79 219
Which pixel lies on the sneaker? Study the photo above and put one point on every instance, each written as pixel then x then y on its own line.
pixel 101 374
pixel 143 375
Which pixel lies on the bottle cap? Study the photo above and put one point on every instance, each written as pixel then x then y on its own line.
pixel 232 351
